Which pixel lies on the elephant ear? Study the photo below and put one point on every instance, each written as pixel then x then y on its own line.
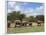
pixel 39 21
pixel 18 21
pixel 9 21
pixel 24 21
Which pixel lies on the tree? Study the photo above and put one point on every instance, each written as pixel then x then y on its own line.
pixel 31 18
pixel 21 16
pixel 40 17
pixel 11 16
pixel 15 16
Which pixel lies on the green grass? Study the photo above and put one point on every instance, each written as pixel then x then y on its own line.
pixel 26 29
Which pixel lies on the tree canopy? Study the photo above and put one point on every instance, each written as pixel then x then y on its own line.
pixel 20 16
pixel 15 15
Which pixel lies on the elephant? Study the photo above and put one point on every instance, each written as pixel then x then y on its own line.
pixel 8 23
pixel 39 23
pixel 17 23
pixel 30 24
pixel 24 23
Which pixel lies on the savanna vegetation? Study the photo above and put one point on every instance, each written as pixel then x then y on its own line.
pixel 22 17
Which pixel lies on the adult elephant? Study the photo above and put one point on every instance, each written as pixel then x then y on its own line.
pixel 39 23
pixel 8 23
pixel 24 23
pixel 30 24
pixel 17 23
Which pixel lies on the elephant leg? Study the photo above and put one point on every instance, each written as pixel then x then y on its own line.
pixel 30 25
pixel 37 24
pixel 8 25
pixel 40 24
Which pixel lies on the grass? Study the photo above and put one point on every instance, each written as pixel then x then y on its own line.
pixel 26 29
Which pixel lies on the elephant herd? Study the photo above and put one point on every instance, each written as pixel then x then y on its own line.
pixel 18 23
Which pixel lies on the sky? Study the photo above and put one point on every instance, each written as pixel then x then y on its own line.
pixel 28 8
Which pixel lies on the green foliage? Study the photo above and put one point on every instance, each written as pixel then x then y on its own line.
pixel 40 17
pixel 26 29
pixel 15 15
pixel 19 16
pixel 31 19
